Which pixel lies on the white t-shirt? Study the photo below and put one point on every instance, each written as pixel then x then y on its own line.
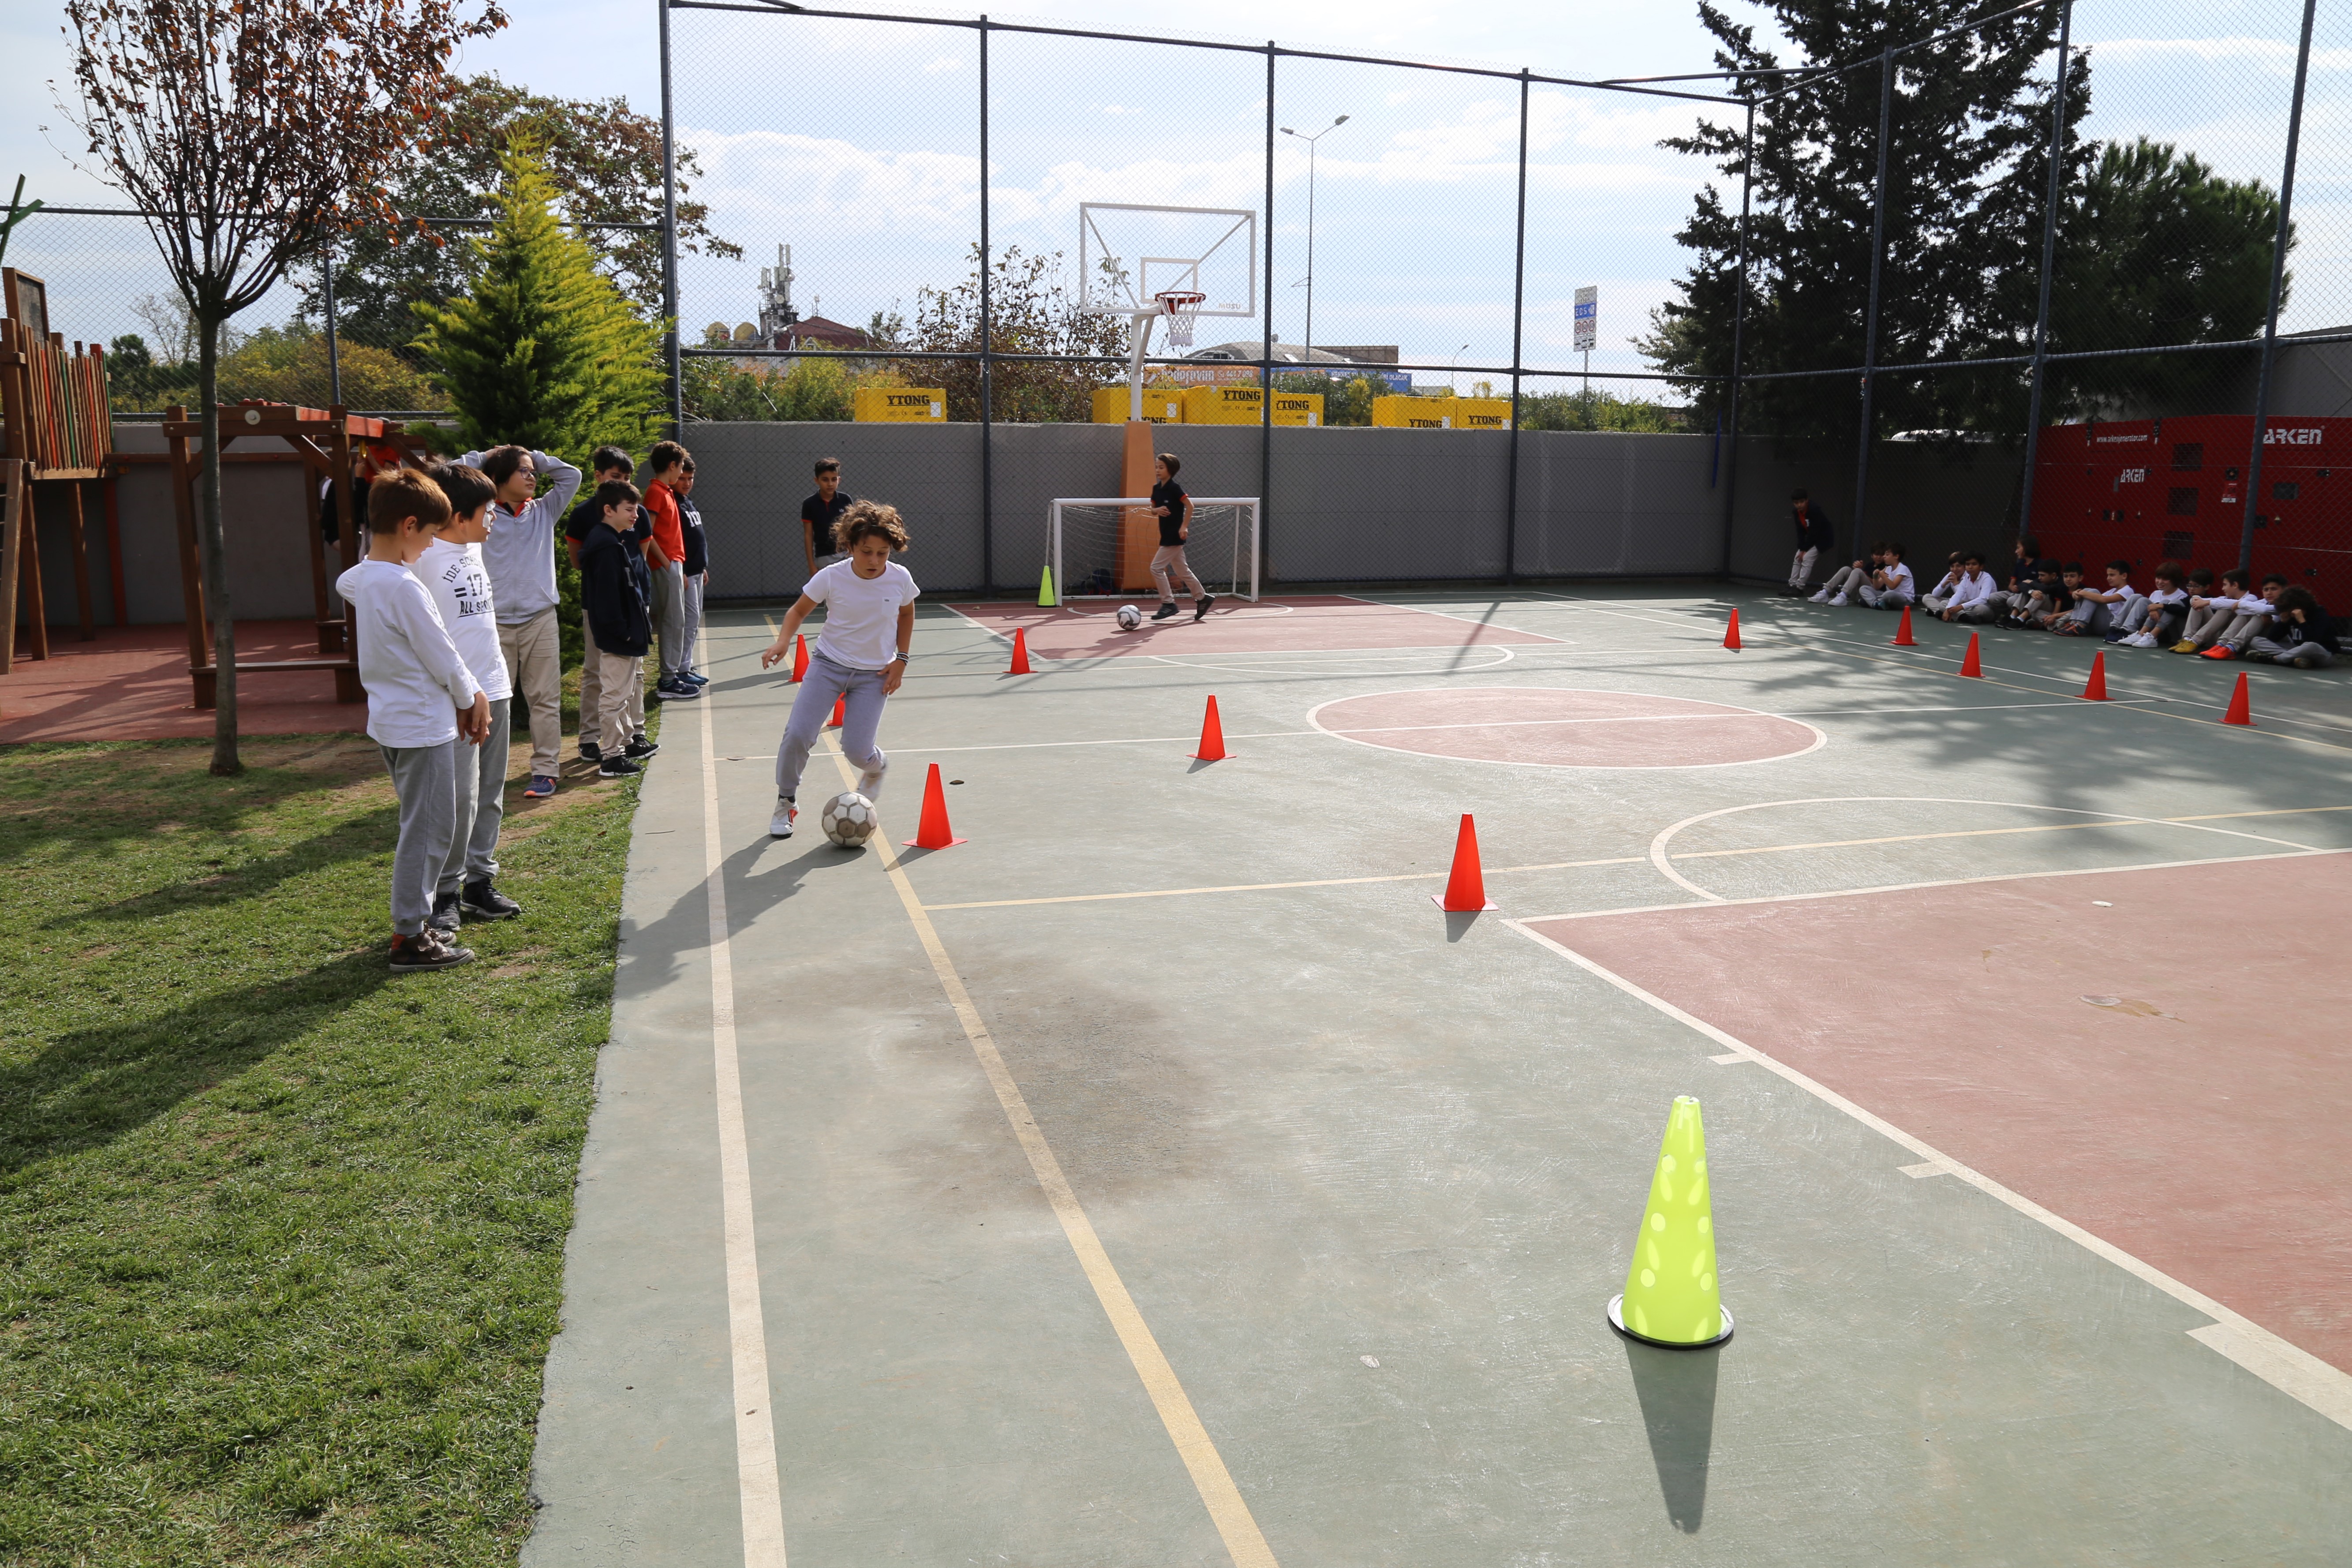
pixel 1898 578
pixel 2168 595
pixel 861 615
pixel 460 586
pixel 415 679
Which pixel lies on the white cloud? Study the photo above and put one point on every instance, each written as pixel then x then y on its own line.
pixel 945 63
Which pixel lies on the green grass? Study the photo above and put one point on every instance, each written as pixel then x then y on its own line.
pixel 280 1234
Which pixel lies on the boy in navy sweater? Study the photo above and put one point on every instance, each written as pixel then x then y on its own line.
pixel 616 592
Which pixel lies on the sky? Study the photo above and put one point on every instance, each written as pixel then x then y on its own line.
pixel 856 143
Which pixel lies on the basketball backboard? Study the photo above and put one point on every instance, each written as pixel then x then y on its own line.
pixel 1128 254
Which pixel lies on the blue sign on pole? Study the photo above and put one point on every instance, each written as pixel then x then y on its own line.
pixel 1588 318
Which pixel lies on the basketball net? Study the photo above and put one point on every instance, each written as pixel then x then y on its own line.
pixel 1183 309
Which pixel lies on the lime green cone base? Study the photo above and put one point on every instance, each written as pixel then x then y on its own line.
pixel 1617 1321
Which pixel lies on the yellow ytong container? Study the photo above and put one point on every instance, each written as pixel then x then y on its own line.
pixel 1161 405
pixel 1405 412
pixel 1482 413
pixel 900 404
pixel 1299 408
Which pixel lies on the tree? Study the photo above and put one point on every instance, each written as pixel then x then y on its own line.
pixel 811 389
pixel 1032 311
pixel 603 159
pixel 1348 401
pixel 2156 250
pixel 1967 171
pixel 1597 411
pixel 544 351
pixel 247 132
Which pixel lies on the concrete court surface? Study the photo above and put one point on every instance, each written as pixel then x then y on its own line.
pixel 1365 1174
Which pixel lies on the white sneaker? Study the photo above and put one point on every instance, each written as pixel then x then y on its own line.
pixel 1820 598
pixel 781 824
pixel 2141 639
pixel 1841 599
pixel 870 782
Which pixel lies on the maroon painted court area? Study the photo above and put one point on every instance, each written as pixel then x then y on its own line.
pixel 132 685
pixel 1563 728
pixel 2199 1123
pixel 1312 623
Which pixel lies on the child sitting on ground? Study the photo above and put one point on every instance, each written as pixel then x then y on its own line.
pixel 2094 610
pixel 1971 597
pixel 2256 612
pixel 616 592
pixel 2211 615
pixel 452 570
pixel 2147 621
pixel 2027 606
pixel 1891 586
pixel 2048 612
pixel 2302 634
pixel 424 705
pixel 1846 580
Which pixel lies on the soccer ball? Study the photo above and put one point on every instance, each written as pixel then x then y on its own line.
pixel 1130 617
pixel 849 819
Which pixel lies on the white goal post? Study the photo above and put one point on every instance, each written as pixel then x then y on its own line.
pixel 1101 546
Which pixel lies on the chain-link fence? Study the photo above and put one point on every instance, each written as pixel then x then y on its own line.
pixel 1881 277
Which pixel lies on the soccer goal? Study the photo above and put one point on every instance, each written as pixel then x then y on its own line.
pixel 1100 547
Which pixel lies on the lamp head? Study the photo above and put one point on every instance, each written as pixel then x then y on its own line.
pixel 1341 120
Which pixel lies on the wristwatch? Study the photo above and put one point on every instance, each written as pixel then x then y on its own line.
pixel 902 657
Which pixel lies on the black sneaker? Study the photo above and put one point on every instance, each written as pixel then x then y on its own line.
pixel 640 749
pixel 443 917
pixel 1164 611
pixel 428 949
pixel 617 768
pixel 679 691
pixel 1200 607
pixel 482 902
pixel 590 752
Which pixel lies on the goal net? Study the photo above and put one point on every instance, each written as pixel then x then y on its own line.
pixel 1100 547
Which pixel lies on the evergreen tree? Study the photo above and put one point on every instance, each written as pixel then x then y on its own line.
pixel 545 352
pixel 1966 172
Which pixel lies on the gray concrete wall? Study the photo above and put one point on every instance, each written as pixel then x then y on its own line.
pixel 1934 501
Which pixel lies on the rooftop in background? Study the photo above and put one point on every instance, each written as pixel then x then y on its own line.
pixel 1292 353
pixel 815 332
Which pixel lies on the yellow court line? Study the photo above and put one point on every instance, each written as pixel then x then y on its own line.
pixel 1619 860
pixel 1243 1543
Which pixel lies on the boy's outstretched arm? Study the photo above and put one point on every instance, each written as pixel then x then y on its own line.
pixel 783 642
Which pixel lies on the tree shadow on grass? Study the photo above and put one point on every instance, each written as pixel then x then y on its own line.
pixel 353 839
pixel 93 1086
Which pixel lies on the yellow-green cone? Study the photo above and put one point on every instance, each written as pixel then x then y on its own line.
pixel 1671 1295
pixel 1045 588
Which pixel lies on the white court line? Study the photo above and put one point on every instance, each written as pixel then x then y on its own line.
pixel 1450 616
pixel 1820 736
pixel 2287 1367
pixel 1265 666
pixel 1659 859
pixel 760 1487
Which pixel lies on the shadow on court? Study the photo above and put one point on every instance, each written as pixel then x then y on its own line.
pixel 1677 1393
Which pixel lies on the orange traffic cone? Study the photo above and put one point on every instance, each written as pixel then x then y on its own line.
pixel 1970 666
pixel 2241 706
pixel 1903 637
pixel 1212 737
pixel 840 708
pixel 1020 652
pixel 1731 633
pixel 1465 889
pixel 799 656
pixel 2095 688
pixel 933 832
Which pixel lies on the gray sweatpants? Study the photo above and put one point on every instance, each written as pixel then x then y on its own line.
pixel 1883 598
pixel 1801 566
pixel 426 780
pixel 1844 579
pixel 691 637
pixel 2205 625
pixel 2309 655
pixel 860 692
pixel 669 618
pixel 480 804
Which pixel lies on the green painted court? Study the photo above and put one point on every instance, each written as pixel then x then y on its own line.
pixel 1158 1177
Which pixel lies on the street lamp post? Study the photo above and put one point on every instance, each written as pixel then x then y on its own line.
pixel 1309 278
pixel 1453 367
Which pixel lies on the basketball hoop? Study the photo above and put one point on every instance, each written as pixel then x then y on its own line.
pixel 1183 309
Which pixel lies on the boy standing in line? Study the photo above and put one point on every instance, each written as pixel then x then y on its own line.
pixel 519 554
pixel 451 569
pixel 614 592
pixel 821 511
pixel 609 463
pixel 421 703
pixel 666 559
pixel 697 565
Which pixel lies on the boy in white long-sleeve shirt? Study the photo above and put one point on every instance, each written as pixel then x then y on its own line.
pixel 519 555
pixel 451 569
pixel 422 704
pixel 1970 594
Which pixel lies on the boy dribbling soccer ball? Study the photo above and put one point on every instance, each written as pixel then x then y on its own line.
pixel 860 655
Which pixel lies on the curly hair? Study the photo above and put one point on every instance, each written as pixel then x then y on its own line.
pixel 867 519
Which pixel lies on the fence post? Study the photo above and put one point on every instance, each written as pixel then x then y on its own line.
pixel 2278 284
pixel 987 345
pixel 1877 261
pixel 2049 261
pixel 334 359
pixel 670 357
pixel 1518 319
pixel 1266 353
pixel 1738 330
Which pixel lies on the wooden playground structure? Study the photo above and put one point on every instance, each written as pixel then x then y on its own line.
pixel 60 432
